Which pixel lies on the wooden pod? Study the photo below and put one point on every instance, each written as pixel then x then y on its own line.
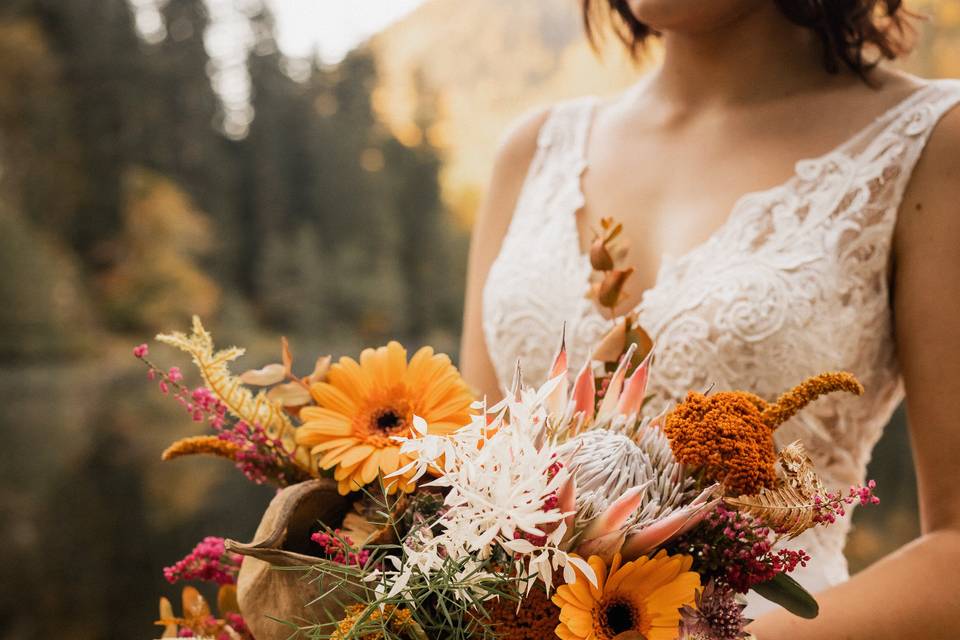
pixel 269 589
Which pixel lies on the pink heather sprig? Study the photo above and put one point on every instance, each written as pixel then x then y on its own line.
pixel 208 562
pixel 200 403
pixel 337 548
pixel 832 505
pixel 737 551
pixel 259 457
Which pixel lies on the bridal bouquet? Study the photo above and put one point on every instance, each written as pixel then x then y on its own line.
pixel 410 510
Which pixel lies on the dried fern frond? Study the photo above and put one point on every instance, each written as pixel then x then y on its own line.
pixel 789 507
pixel 214 368
pixel 798 470
pixel 196 445
pixel 230 390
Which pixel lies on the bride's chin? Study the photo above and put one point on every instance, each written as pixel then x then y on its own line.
pixel 690 15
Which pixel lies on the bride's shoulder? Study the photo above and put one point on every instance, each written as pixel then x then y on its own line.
pixel 937 172
pixel 519 143
pixel 934 187
pixel 514 156
pixel 515 153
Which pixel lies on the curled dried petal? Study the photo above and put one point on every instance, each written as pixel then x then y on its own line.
pixel 265 376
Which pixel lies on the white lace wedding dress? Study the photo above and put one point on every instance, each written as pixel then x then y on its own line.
pixel 793 284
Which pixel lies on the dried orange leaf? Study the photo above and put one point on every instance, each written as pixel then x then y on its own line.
pixel 600 258
pixel 636 335
pixel 194 606
pixel 290 394
pixel 167 619
pixel 268 375
pixel 166 609
pixel 320 370
pixel 611 287
pixel 227 600
pixel 287 357
pixel 612 228
pixel 614 343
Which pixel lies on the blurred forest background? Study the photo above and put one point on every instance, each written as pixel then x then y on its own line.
pixel 163 157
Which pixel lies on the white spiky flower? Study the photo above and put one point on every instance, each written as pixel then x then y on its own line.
pixel 502 484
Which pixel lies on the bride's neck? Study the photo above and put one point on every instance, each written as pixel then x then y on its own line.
pixel 754 57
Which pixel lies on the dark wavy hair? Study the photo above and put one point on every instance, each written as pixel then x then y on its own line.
pixel 847 29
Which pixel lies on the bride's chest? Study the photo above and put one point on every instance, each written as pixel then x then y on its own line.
pixel 778 282
pixel 673 189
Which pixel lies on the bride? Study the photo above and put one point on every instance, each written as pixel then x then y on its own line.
pixel 791 207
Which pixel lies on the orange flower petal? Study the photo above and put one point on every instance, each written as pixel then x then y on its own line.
pixel 317 432
pixel 395 363
pixel 600 568
pixel 415 369
pixel 347 376
pixel 370 366
pixel 333 444
pixel 389 460
pixel 578 621
pixel 322 414
pixel 370 468
pixel 355 455
pixel 332 398
pixel 342 473
pixel 332 458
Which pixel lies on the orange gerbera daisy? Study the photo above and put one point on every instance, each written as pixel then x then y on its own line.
pixel 362 405
pixel 643 596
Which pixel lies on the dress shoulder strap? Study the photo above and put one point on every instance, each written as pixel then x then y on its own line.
pixel 896 140
pixel 562 141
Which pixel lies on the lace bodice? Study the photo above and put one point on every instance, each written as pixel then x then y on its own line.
pixel 795 282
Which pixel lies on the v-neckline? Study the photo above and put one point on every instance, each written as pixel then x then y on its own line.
pixel 736 210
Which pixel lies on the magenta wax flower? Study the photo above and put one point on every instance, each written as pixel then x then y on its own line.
pixel 337 548
pixel 208 562
pixel 737 551
pixel 831 505
pixel 141 351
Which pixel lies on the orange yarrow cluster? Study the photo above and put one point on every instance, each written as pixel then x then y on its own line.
pixel 535 619
pixel 729 435
pixel 398 620
pixel 726 437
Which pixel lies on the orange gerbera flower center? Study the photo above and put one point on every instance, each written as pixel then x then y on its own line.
pixel 617 614
pixel 385 415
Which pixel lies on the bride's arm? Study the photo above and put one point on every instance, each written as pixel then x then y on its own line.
pixel 509 171
pixel 913 593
